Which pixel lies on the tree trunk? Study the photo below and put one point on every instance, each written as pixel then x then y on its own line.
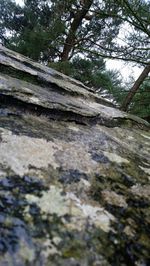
pixel 70 40
pixel 134 88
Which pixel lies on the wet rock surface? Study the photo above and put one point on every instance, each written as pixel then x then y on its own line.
pixel 74 173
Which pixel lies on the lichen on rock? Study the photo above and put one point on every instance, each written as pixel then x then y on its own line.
pixel 74 172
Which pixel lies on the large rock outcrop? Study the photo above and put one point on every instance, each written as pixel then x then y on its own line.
pixel 74 172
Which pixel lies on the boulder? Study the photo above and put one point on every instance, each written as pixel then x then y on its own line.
pixel 74 172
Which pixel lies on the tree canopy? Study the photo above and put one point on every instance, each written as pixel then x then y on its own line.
pixel 48 30
pixel 76 36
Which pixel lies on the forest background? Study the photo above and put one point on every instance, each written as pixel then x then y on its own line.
pixel 78 37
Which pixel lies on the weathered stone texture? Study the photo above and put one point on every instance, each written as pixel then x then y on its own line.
pixel 74 172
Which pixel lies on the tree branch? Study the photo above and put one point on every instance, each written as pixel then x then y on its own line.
pixel 114 57
pixel 135 87
pixel 70 40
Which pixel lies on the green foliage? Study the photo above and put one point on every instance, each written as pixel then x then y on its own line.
pixel 136 15
pixel 92 73
pixel 141 103
pixel 39 30
pixel 35 30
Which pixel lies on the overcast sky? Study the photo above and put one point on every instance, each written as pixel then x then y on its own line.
pixel 126 69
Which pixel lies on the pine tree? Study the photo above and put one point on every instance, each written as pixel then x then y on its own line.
pixel 59 31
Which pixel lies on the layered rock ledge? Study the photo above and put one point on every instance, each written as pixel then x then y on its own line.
pixel 74 172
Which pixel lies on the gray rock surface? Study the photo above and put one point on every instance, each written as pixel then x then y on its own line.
pixel 74 172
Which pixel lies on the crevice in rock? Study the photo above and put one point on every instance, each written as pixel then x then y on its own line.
pixel 54 73
pixel 14 73
pixel 36 80
pixel 21 107
pixel 8 101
